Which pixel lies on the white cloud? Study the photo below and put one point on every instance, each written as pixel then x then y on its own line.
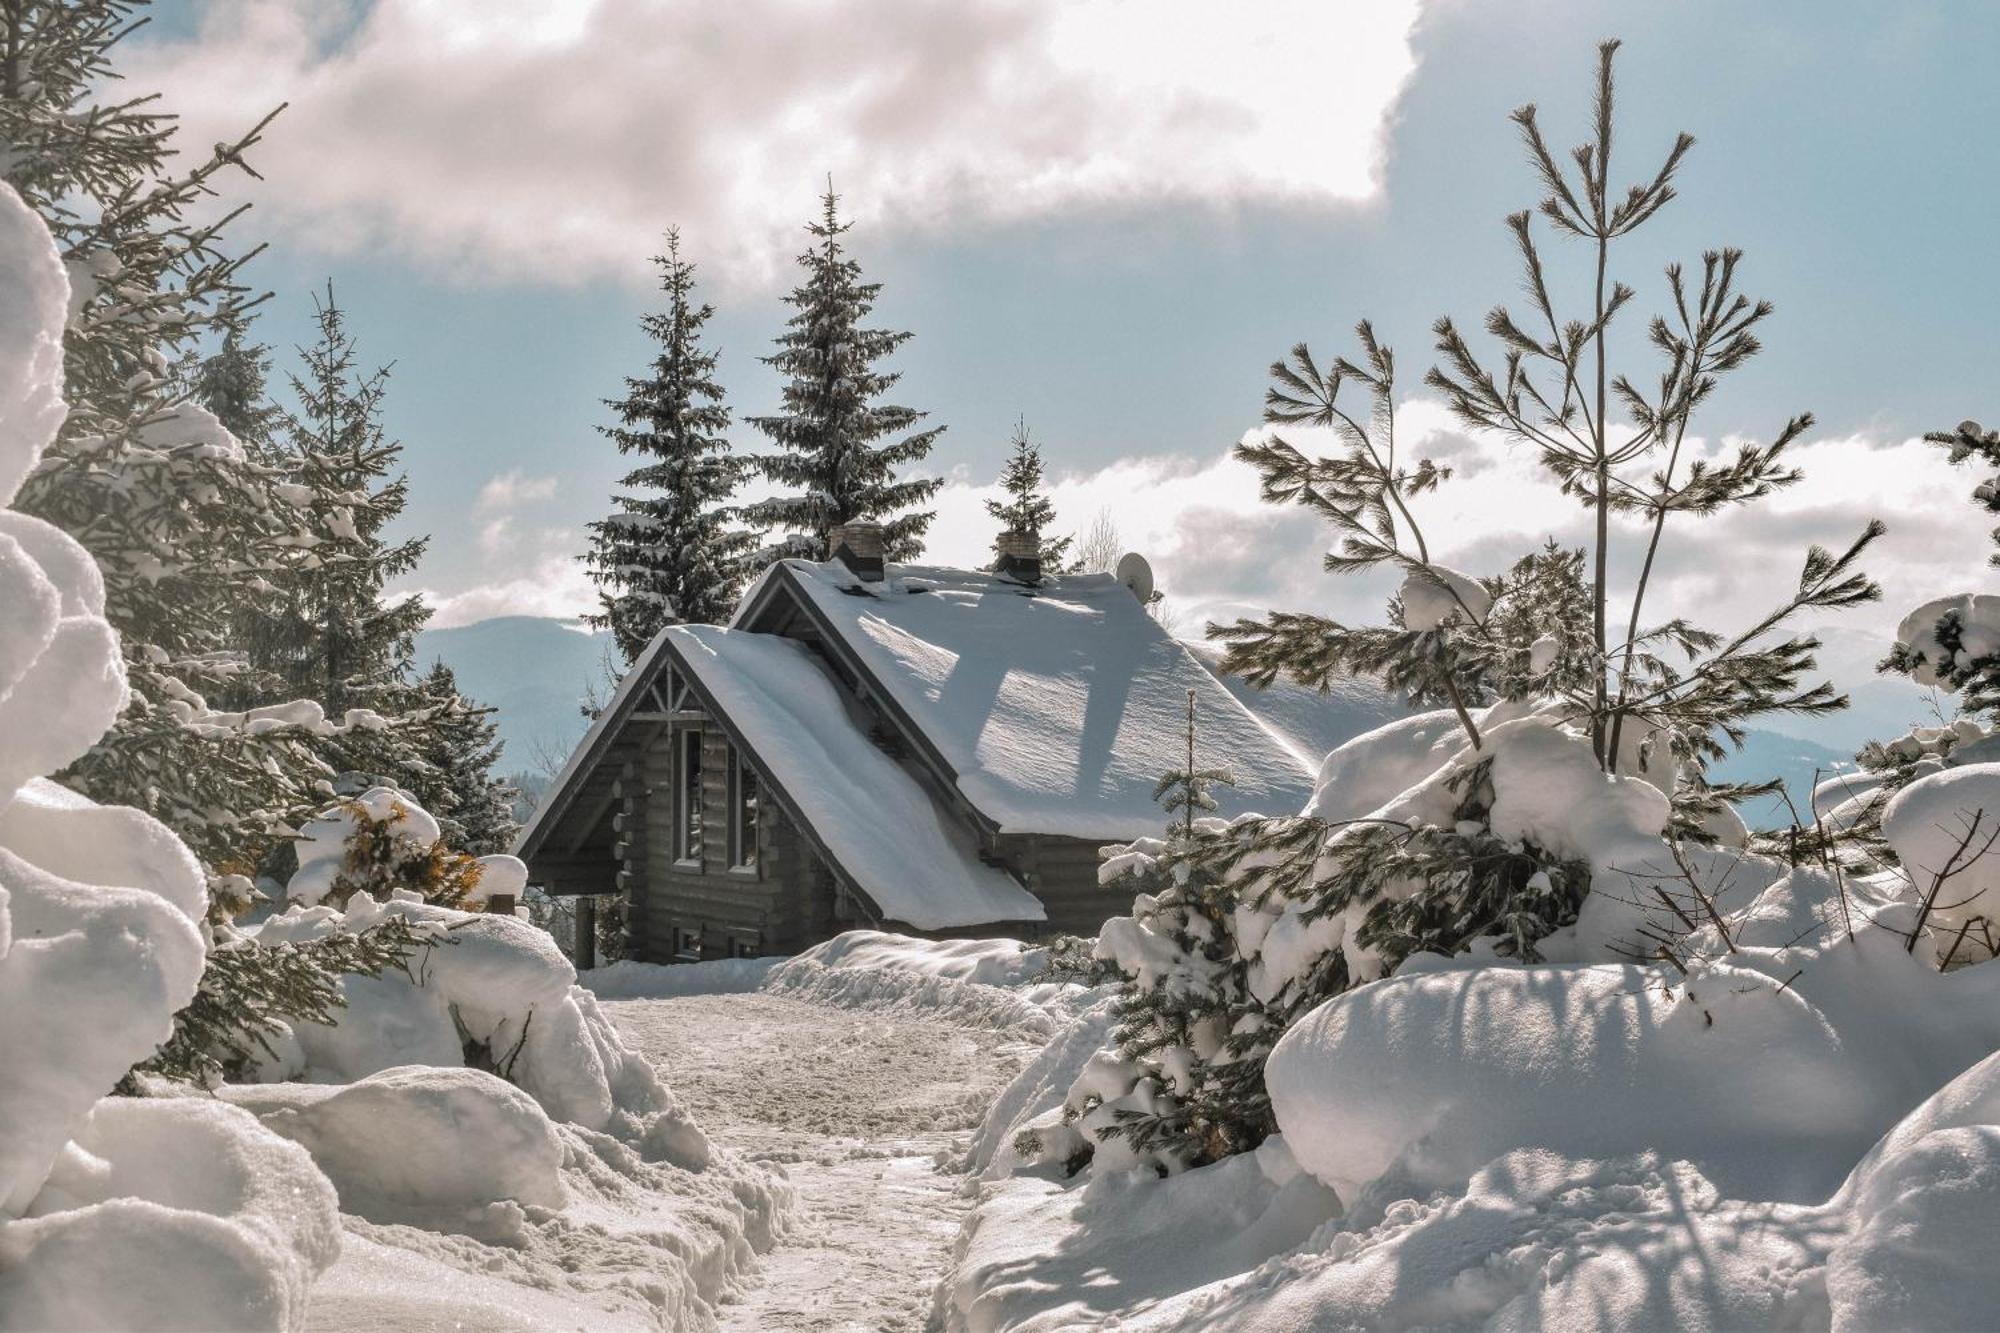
pixel 553 141
pixel 1219 551
pixel 511 489
pixel 553 585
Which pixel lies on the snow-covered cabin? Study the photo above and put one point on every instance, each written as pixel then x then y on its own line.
pixel 938 751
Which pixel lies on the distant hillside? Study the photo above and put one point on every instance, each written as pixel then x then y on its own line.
pixel 533 670
pixel 1766 755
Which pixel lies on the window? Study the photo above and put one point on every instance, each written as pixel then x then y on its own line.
pixel 745 808
pixel 745 948
pixel 688 827
pixel 687 944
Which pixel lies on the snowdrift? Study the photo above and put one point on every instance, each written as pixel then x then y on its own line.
pixel 1795 1124
pixel 113 1213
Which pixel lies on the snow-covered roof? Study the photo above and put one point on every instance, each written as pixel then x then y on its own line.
pixel 918 864
pixel 1056 710
pixel 1312 723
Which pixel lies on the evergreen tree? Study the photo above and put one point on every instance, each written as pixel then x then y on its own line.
pixel 328 633
pixel 1026 509
pixel 1436 870
pixel 185 527
pixel 1185 985
pixel 458 785
pixel 832 417
pixel 233 384
pixel 672 550
pixel 1543 397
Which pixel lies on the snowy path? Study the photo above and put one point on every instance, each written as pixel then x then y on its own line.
pixel 858 1105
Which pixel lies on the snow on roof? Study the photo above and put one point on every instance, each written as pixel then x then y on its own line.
pixel 1311 723
pixel 1058 708
pixel 916 862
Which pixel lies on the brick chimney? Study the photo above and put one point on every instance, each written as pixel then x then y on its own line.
pixel 1020 556
pixel 858 545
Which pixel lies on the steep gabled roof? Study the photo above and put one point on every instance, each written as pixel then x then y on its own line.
pixel 879 832
pixel 875 824
pixel 1053 711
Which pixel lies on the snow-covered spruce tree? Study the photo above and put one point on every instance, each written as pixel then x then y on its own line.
pixel 326 632
pixel 234 384
pixel 1343 894
pixel 460 749
pixel 378 842
pixel 184 525
pixel 1027 508
pixel 1163 1097
pixel 828 460
pixel 673 550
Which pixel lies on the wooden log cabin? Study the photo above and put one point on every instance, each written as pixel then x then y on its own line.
pixel 935 751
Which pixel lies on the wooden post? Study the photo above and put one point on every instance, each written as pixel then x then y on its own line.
pixel 584 950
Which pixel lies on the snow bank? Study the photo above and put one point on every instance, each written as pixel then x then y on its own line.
pixel 463 1142
pixel 867 969
pixel 177 1214
pixel 989 962
pixel 501 984
pixel 1035 1098
pixel 629 979
pixel 1038 1256
pixel 113 1213
pixel 1921 1210
pixel 1771 1083
pixel 639 1244
pixel 1948 823
pixel 1538 1240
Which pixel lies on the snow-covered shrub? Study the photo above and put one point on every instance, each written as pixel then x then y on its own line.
pixel 114 1213
pixel 1162 1098
pixel 253 996
pixel 383 841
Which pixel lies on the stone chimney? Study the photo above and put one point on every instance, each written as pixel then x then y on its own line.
pixel 858 545
pixel 1020 556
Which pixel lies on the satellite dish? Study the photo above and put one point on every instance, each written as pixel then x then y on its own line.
pixel 1136 574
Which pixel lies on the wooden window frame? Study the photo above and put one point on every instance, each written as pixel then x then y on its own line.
pixel 737 842
pixel 686 801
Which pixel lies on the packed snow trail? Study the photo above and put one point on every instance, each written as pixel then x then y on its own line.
pixel 858 1106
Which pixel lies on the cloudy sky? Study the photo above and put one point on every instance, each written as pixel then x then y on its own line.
pixel 1110 215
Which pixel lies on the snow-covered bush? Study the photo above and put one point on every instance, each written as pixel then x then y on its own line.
pixel 488 990
pixel 382 841
pixel 253 996
pixel 114 1213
